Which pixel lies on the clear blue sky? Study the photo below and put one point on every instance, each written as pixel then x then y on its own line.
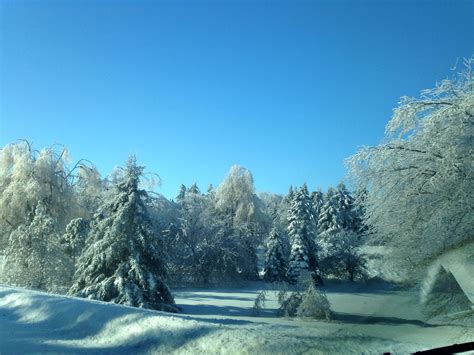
pixel 286 89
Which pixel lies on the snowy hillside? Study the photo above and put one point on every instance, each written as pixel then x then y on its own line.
pixel 218 321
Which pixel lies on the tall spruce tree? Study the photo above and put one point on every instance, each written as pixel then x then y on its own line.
pixel 302 230
pixel 317 201
pixel 328 219
pixel 345 217
pixel 275 262
pixel 123 261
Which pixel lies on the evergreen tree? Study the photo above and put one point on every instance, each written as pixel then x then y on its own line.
pixel 301 230
pixel 194 189
pixel 75 236
pixel 181 194
pixel 328 223
pixel 317 201
pixel 344 202
pixel 123 261
pixel 291 194
pixel 275 263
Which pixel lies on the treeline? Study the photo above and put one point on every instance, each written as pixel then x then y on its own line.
pixel 66 229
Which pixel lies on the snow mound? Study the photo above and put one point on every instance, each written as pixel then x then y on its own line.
pixel 441 294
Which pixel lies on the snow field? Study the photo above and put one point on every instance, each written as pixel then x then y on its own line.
pixel 219 321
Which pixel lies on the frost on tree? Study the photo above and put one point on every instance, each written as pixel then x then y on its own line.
pixel 314 304
pixel 328 222
pixel 342 258
pixel 34 257
pixel 419 182
pixel 317 201
pixel 29 176
pixel 301 230
pixel 275 263
pixel 122 262
pixel 345 208
pixel 243 221
pixel 74 238
pixel 441 294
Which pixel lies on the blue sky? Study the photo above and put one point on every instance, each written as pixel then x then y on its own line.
pixel 286 89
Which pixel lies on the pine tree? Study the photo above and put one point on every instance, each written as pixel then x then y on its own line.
pixel 181 194
pixel 194 189
pixel 328 219
pixel 317 201
pixel 74 237
pixel 123 261
pixel 275 263
pixel 301 230
pixel 344 202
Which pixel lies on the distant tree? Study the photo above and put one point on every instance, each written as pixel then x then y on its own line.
pixel 317 201
pixel 89 188
pixel 342 258
pixel 419 182
pixel 122 262
pixel 191 253
pixel 240 210
pixel 329 222
pixel 194 189
pixel 275 261
pixel 345 218
pixel 181 194
pixel 301 230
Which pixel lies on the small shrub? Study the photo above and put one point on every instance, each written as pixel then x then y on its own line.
pixel 259 303
pixel 314 304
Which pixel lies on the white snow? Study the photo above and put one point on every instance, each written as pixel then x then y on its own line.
pixel 219 321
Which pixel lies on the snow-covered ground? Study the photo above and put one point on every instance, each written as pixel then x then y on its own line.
pixel 371 320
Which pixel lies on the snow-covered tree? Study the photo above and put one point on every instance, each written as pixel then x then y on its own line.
pixel 28 177
pixel 314 304
pixel 275 261
pixel 302 230
pixel 344 202
pixel 181 194
pixel 342 257
pixel 34 257
pixel 89 188
pixel 194 189
pixel 74 238
pixel 360 197
pixel 328 222
pixel 123 260
pixel 192 259
pixel 419 181
pixel 240 210
pixel 317 201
